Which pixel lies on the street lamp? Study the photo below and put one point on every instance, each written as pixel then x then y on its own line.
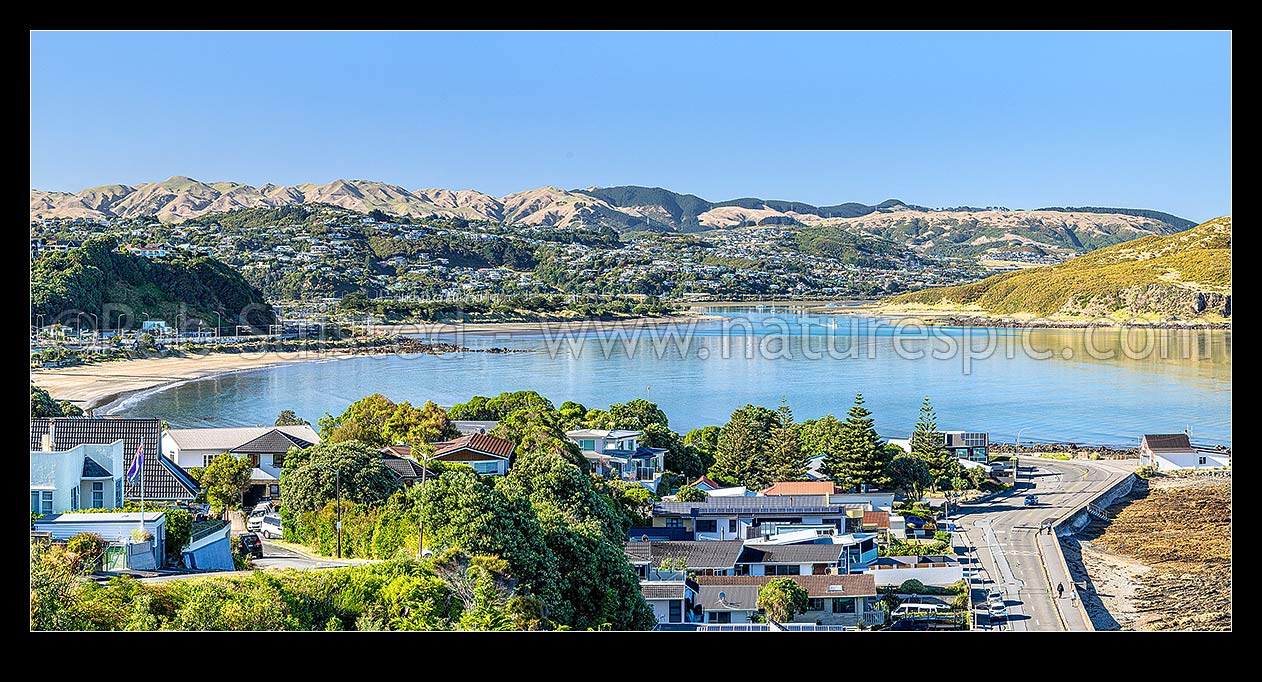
pixel 119 325
pixel 218 322
pixel 1016 459
pixel 96 326
pixel 338 488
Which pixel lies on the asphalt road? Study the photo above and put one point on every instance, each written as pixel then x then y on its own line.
pixel 274 556
pixel 1003 533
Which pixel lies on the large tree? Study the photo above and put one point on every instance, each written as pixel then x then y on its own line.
pixel 637 414
pixel 864 458
pixel 780 598
pixel 226 479
pixel 910 474
pixel 706 441
pixel 825 436
pixel 377 420
pixel 740 456
pixel 43 405
pixel 785 459
pixel 308 478
pixel 926 443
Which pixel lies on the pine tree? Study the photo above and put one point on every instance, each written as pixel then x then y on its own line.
pixel 863 459
pixel 824 436
pixel 738 457
pixel 785 459
pixel 926 443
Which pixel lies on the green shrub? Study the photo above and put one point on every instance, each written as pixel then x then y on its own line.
pixel 89 550
pixel 1146 472
pixel 912 586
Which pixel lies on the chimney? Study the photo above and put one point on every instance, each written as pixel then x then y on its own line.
pixel 46 442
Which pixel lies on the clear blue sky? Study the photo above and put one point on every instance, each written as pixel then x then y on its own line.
pixel 1013 119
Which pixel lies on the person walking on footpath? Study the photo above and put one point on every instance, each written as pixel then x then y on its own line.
pixel 1060 590
pixel 1073 598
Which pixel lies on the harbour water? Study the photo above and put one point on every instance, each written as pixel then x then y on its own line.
pixel 1100 386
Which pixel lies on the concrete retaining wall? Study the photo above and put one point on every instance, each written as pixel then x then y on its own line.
pixel 1078 519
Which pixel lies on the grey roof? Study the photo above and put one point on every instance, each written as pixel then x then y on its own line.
pixel 274 441
pixel 228 438
pixel 662 590
pixel 405 468
pixel 791 554
pixel 1168 442
pixel 164 480
pixel 818 586
pixel 917 560
pixel 777 504
pixel 636 533
pixel 91 469
pixel 696 554
pixel 615 434
pixel 735 597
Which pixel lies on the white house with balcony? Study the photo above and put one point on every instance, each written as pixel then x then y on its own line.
pixel 618 453
pixel 83 477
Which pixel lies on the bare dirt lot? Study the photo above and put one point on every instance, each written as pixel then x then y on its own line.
pixel 1164 562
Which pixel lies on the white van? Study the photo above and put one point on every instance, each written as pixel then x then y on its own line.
pixel 270 527
pixel 916 610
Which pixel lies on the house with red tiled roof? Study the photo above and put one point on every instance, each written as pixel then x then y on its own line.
pixel 485 453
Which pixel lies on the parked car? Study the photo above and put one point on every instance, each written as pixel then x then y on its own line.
pixel 264 507
pixel 994 593
pixel 249 544
pixel 1031 500
pixel 255 522
pixel 998 610
pixel 270 527
pixel 908 609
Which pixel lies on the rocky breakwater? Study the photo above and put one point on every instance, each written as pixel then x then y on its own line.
pixel 407 345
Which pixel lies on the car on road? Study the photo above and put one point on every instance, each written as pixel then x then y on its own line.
pixel 1031 501
pixel 270 527
pixel 994 593
pixel 249 544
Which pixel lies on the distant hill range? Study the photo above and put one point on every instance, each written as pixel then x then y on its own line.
pixel 952 231
pixel 1185 276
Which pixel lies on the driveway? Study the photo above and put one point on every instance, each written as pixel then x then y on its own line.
pixel 274 556
pixel 1003 533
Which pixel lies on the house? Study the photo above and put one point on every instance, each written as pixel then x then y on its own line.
pixel 671 600
pixel 1171 451
pixel 876 521
pixel 973 446
pixel 265 446
pixel 82 477
pixel 797 559
pixel 692 556
pixel 931 570
pixel 115 528
pixel 833 599
pixel 468 427
pixel 164 480
pixel 712 488
pixel 725 518
pixel 618 453
pixel 147 251
pixel 486 454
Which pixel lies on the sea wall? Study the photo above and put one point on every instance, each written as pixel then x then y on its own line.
pixel 1078 519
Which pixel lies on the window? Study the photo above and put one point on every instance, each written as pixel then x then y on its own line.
pixel 274 490
pixel 676 611
pixel 720 616
pixel 278 461
pixel 486 467
pixel 74 498
pixel 98 494
pixel 118 492
pixel 843 605
pixel 731 526
pixel 42 501
pixel 1201 461
pixel 674 522
pixel 791 569
pixel 207 459
pixel 254 460
pixel 707 526
pixel 587 444
pixel 814 604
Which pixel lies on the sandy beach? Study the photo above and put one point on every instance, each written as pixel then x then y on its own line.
pixel 94 386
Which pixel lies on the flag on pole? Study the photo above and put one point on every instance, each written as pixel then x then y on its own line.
pixel 137 464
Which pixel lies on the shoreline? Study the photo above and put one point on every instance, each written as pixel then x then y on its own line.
pixel 497 328
pixel 964 317
pixel 102 386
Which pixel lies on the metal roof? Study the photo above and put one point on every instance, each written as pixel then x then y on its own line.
pixel 817 586
pixel 735 597
pixel 791 554
pixel 696 554
pixel 1168 442
pixel 774 504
